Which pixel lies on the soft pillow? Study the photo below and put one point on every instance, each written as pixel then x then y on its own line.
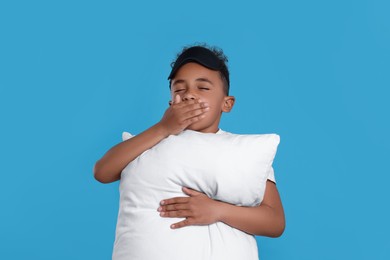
pixel 228 167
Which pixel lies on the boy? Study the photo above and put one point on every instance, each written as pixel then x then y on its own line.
pixel 199 83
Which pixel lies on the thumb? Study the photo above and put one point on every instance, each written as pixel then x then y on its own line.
pixel 190 192
pixel 177 99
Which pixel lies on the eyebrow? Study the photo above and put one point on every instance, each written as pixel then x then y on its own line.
pixel 204 80
pixel 198 79
pixel 178 82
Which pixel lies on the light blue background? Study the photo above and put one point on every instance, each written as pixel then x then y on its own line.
pixel 75 74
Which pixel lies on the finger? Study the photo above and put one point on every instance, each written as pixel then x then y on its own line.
pixel 187 112
pixel 174 200
pixel 189 102
pixel 176 214
pixel 192 120
pixel 192 114
pixel 172 207
pixel 194 111
pixel 184 223
pixel 194 104
pixel 191 192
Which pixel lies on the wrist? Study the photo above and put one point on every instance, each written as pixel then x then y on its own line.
pixel 161 130
pixel 222 209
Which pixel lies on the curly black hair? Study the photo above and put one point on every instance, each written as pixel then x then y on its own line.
pixel 220 55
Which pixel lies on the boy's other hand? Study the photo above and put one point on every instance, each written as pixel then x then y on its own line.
pixel 181 114
pixel 197 209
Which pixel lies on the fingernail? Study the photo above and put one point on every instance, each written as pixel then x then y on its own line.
pixel 162 213
pixel 162 202
pixel 159 209
pixel 172 226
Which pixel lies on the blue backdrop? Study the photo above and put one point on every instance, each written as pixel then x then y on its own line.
pixel 75 74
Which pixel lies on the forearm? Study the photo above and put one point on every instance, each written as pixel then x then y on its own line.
pixel 198 209
pixel 262 220
pixel 110 166
pixel 176 118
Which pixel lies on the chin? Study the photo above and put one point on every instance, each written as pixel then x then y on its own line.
pixel 194 127
pixel 198 126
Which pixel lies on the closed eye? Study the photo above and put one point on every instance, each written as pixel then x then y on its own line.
pixel 204 88
pixel 178 90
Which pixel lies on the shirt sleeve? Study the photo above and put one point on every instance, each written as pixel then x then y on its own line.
pixel 271 175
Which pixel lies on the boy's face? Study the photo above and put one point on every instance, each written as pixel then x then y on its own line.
pixel 193 81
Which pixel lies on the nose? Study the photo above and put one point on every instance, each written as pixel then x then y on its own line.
pixel 189 95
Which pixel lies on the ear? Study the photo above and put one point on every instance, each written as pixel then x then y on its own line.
pixel 228 103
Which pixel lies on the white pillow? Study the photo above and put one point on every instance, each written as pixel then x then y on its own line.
pixel 228 167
